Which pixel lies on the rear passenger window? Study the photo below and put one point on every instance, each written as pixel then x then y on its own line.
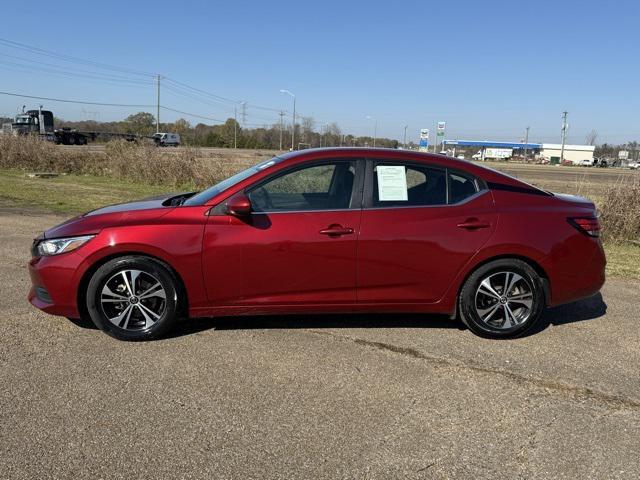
pixel 461 186
pixel 408 185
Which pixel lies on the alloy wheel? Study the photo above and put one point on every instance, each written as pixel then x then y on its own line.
pixel 133 299
pixel 504 300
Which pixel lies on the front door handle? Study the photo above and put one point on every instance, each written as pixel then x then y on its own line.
pixel 336 230
pixel 473 224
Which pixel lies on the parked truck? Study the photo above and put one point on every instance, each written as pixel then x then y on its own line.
pixel 40 122
pixel 493 154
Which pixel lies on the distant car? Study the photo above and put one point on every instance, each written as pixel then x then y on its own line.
pixel 634 165
pixel 460 157
pixel 587 162
pixel 326 231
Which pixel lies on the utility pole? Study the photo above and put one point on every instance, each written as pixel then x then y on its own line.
pixel 526 141
pixel 281 121
pixel 235 126
pixel 564 135
pixel 158 108
pixel 244 112
pixel 404 143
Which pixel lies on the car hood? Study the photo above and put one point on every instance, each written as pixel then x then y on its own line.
pixel 143 211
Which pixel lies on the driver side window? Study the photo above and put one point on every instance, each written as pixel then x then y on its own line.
pixel 327 186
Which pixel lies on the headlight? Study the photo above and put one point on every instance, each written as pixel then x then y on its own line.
pixel 56 246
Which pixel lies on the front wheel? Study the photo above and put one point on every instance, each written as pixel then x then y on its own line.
pixel 502 299
pixel 133 298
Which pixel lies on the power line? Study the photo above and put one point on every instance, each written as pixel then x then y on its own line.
pixel 175 86
pixel 72 59
pixel 81 102
pixel 76 101
pixel 7 65
pixel 192 114
pixel 69 70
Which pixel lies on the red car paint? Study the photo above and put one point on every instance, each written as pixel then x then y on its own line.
pixel 404 259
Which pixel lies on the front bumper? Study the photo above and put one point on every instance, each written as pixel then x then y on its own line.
pixel 54 284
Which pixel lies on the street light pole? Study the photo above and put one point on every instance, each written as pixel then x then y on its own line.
pixel 404 143
pixel 293 127
pixel 375 129
pixel 526 141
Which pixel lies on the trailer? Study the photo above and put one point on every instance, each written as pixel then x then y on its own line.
pixel 40 122
pixel 493 154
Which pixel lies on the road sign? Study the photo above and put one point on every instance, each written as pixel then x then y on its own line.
pixel 424 140
pixel 441 128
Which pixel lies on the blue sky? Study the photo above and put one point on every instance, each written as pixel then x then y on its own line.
pixel 487 68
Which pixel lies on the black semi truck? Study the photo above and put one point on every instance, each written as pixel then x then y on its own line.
pixel 40 122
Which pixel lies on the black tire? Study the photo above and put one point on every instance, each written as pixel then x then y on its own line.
pixel 161 305
pixel 505 322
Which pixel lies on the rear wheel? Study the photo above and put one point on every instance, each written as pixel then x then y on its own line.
pixel 502 299
pixel 133 298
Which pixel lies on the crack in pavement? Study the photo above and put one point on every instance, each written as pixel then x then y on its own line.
pixel 613 400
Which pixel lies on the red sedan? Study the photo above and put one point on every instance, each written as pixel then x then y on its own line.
pixel 329 230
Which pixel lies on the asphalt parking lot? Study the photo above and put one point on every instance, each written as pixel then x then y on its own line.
pixel 393 396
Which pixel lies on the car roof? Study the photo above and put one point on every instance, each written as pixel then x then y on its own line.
pixel 486 173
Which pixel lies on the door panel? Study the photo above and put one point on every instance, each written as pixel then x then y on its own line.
pixel 413 254
pixel 281 258
pixel 299 244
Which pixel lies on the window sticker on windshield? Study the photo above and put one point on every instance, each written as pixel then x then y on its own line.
pixel 392 183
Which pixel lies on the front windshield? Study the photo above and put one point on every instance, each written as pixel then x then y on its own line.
pixel 206 195
pixel 23 119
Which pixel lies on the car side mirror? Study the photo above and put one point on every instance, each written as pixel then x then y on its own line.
pixel 239 205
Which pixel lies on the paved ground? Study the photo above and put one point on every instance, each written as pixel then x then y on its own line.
pixel 316 397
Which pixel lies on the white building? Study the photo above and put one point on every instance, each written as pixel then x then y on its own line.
pixel 572 153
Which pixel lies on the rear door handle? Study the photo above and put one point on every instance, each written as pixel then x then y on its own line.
pixel 473 224
pixel 336 230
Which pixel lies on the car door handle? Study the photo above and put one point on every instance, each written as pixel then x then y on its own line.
pixel 336 231
pixel 473 224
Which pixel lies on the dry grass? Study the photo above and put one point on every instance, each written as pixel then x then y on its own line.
pixel 144 163
pixel 620 211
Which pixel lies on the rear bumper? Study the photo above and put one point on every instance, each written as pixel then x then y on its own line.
pixel 53 284
pixel 579 273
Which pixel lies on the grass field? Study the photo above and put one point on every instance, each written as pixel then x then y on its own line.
pixel 74 194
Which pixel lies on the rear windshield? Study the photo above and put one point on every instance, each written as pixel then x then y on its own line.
pixel 206 195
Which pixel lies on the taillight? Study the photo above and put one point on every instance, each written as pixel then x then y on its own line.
pixel 587 225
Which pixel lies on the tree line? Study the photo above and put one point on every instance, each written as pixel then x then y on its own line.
pixel 231 133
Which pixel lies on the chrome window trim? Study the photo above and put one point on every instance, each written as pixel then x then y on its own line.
pixel 466 200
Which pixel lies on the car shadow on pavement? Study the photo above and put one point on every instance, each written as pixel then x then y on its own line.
pixel 587 309
pixel 583 310
pixel 286 322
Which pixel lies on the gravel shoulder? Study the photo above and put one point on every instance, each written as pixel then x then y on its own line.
pixel 382 396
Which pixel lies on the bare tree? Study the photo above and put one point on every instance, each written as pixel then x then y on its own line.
pixel 591 137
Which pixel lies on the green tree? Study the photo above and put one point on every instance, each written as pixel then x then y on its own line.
pixel 142 123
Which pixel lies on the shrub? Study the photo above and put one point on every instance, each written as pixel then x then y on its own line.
pixel 144 163
pixel 620 211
